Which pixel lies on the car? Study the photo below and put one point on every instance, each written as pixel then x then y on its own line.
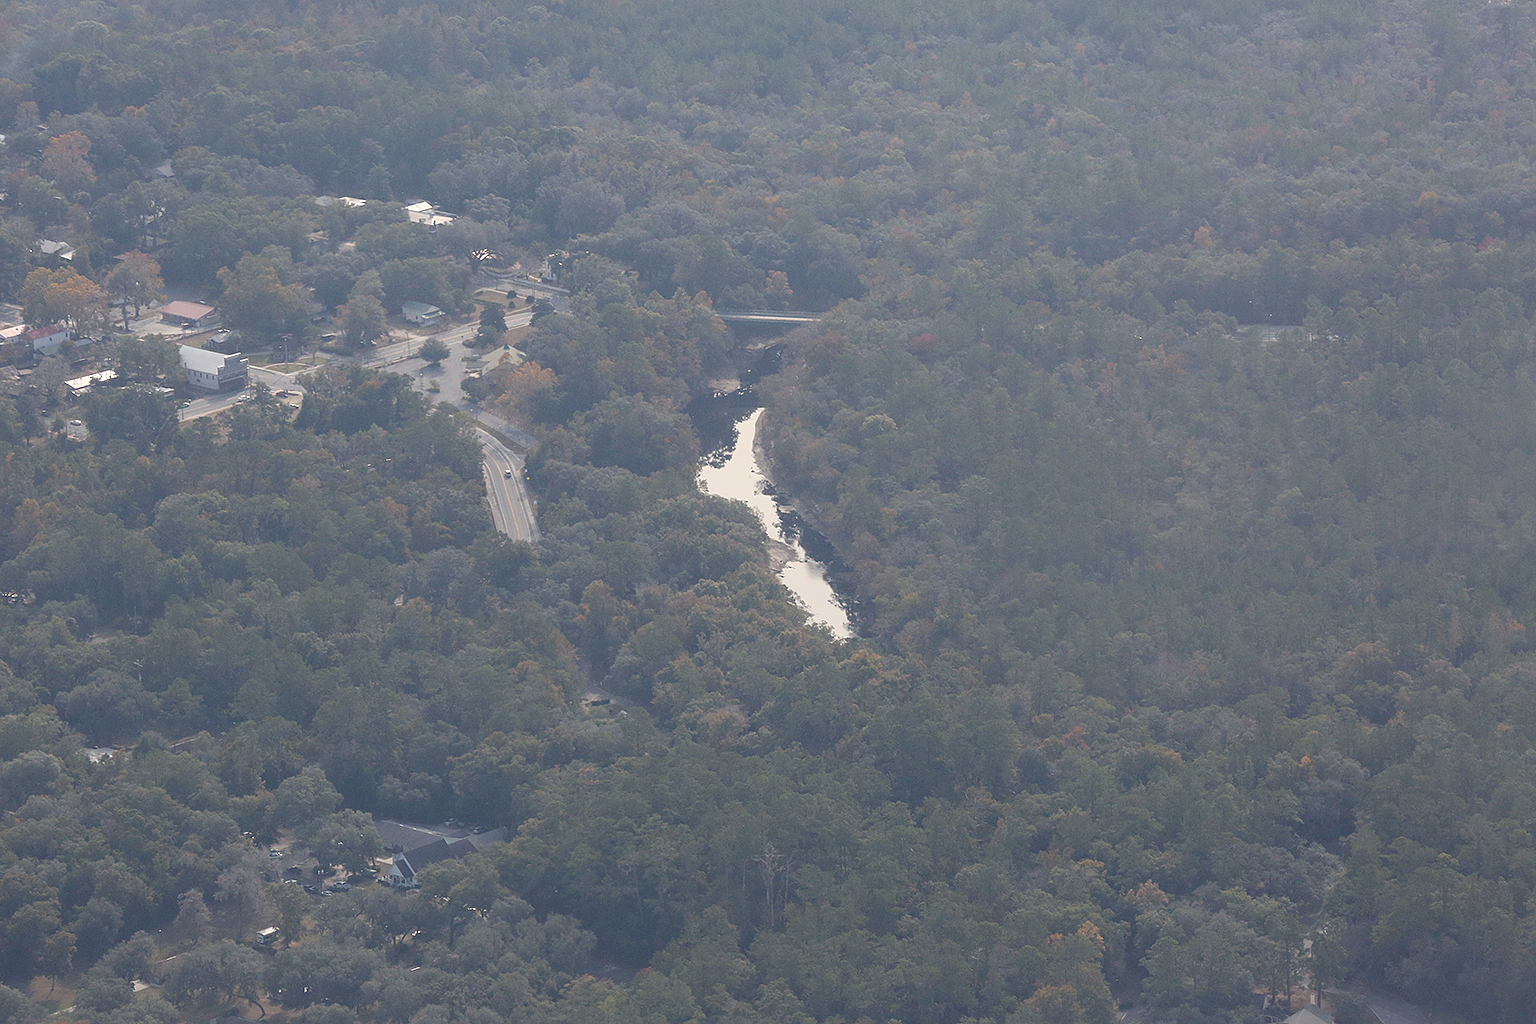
pixel 509 474
pixel 342 887
pixel 275 854
pixel 75 423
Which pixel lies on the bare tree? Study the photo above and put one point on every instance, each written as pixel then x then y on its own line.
pixel 776 868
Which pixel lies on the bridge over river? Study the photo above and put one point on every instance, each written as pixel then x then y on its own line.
pixel 768 316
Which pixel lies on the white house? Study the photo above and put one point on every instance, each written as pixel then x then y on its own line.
pixel 44 339
pixel 421 313
pixel 426 213
pixel 214 371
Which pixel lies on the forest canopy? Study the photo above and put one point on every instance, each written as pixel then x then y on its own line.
pixel 1170 409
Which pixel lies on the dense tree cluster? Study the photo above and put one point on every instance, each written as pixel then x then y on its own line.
pixel 1171 413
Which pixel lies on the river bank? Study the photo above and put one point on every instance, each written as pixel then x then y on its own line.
pixel 740 475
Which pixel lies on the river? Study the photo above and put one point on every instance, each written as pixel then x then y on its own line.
pixel 731 470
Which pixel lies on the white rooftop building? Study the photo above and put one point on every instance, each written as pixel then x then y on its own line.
pixel 421 313
pixel 214 371
pixel 426 213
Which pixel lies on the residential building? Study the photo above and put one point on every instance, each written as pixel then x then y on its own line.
pixel 414 848
pixel 426 213
pixel 421 313
pixel 57 252
pixel 46 339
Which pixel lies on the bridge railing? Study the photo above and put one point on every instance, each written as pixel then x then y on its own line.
pixel 794 315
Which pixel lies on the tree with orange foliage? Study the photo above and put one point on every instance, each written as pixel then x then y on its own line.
pixel 54 296
pixel 64 160
pixel 527 388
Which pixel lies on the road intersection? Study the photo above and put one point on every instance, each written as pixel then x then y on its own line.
pixel 512 510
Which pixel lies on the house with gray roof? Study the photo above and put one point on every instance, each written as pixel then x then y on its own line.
pixel 414 847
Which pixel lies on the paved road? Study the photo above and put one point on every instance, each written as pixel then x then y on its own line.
pixel 396 353
pixel 215 403
pixel 511 510
pixel 1395 1011
pixel 447 376
pixel 199 407
pixel 514 516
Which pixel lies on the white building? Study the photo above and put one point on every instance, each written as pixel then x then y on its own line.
pixel 421 313
pixel 80 385
pixel 45 339
pixel 61 251
pixel 214 371
pixel 426 213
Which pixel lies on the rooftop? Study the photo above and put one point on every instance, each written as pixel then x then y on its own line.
pixel 186 310
pixel 204 361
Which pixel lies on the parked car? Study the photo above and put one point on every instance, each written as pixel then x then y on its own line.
pixel 275 854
